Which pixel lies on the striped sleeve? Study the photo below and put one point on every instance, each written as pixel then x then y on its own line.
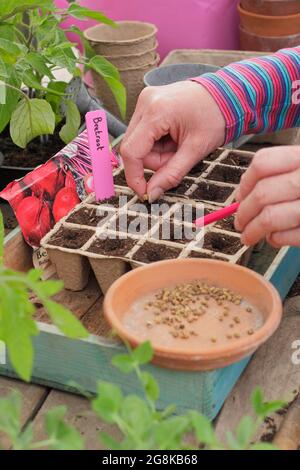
pixel 259 95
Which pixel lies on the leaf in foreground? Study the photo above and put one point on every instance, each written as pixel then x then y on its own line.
pixel 31 118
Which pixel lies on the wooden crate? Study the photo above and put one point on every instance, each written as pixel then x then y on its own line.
pixel 76 365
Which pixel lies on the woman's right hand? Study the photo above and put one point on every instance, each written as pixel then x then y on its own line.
pixel 172 128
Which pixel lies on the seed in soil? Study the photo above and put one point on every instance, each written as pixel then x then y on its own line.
pixel 182 188
pixel 71 238
pixel 89 216
pixel 222 243
pixel 112 247
pixel 237 159
pixel 211 192
pixel 198 169
pixel 226 174
pixel 151 252
pixel 214 155
pixel 198 254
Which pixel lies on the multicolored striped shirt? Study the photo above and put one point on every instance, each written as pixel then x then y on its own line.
pixel 259 95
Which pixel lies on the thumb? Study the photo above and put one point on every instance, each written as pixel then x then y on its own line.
pixel 173 171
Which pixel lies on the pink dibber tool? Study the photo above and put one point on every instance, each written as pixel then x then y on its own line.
pixel 100 154
pixel 217 215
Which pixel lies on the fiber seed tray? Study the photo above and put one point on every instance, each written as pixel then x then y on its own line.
pixel 97 236
pixel 77 365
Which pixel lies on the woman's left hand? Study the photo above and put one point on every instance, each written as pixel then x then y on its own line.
pixel 269 196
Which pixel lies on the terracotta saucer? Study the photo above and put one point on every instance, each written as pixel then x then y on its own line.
pixel 251 286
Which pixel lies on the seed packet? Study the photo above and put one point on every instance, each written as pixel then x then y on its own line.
pixel 52 190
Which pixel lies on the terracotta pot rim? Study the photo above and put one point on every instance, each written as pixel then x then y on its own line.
pixel 194 355
pixel 244 12
pixel 269 38
pixel 148 35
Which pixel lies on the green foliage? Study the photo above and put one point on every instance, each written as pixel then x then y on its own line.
pixel 262 408
pixel 31 118
pixel 61 436
pixel 17 325
pixel 32 45
pixel 142 426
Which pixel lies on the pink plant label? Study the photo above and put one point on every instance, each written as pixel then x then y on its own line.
pixel 100 154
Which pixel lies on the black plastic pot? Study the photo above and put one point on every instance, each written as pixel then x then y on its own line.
pixel 85 102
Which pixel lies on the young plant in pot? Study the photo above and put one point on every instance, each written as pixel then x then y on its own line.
pixel 37 115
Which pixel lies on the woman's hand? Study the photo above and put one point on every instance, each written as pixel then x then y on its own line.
pixel 269 194
pixel 173 127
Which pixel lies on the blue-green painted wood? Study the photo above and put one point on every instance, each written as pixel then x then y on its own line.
pixel 286 271
pixel 61 362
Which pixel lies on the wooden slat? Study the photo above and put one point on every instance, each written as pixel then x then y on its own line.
pixel 78 302
pixel 79 415
pixel 94 320
pixel 271 368
pixel 32 397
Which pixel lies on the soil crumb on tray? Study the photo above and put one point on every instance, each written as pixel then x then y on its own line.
pixel 188 212
pixel 71 238
pixel 177 233
pixel 112 247
pixel 120 179
pixel 237 159
pixel 89 216
pixel 134 224
pixel 226 224
pixel 212 192
pixel 182 188
pixel 151 252
pixel 198 169
pixel 222 243
pixel 157 208
pixel 214 155
pixel 226 174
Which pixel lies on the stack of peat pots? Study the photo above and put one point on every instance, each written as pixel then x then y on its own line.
pixel 132 48
pixel 269 25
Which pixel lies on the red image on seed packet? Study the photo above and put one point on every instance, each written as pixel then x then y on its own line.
pixel 52 190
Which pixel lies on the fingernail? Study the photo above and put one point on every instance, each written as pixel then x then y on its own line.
pixel 155 194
